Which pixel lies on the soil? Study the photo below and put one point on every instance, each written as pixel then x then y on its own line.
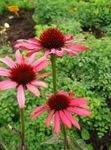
pixel 93 30
pixel 21 27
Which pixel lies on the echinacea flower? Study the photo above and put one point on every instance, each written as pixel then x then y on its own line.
pixel 52 41
pixel 23 75
pixel 62 106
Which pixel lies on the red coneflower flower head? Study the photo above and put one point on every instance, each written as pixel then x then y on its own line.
pixel 52 41
pixel 62 106
pixel 23 75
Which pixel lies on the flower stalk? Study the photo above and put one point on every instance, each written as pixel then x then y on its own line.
pixel 66 145
pixel 53 61
pixel 22 129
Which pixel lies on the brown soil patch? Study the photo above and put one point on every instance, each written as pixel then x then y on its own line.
pixel 21 27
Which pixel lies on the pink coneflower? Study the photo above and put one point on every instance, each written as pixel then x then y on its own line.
pixel 52 41
pixel 23 75
pixel 62 105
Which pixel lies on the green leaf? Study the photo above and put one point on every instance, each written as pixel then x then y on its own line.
pixel 85 134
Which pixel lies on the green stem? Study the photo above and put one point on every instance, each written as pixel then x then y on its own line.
pixel 53 61
pixel 22 129
pixel 66 145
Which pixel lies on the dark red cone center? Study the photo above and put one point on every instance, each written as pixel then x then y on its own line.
pixel 58 102
pixel 22 74
pixel 52 38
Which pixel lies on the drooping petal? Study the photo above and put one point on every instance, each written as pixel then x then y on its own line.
pixel 31 58
pixel 60 53
pixel 78 101
pixel 56 122
pixel 79 111
pixel 72 119
pixel 26 45
pixel 38 109
pixel 49 118
pixel 19 57
pixel 64 119
pixel 73 41
pixel 68 37
pixel 34 41
pixel 53 51
pixel 39 83
pixel 38 113
pixel 70 52
pixel 3 69
pixel 39 61
pixel 41 65
pixel 77 47
pixel 42 75
pixel 8 61
pixel 21 96
pixel 46 53
pixel 33 89
pixel 7 84
pixel 84 106
pixel 31 52
pixel 4 73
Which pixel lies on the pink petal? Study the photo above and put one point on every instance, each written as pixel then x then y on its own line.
pixel 4 73
pixel 21 96
pixel 60 53
pixel 49 118
pixel 42 75
pixel 39 61
pixel 78 101
pixel 64 119
pixel 79 111
pixel 46 53
pixel 77 47
pixel 70 52
pixel 56 122
pixel 72 119
pixel 33 89
pixel 38 113
pixel 7 84
pixel 52 51
pixel 8 61
pixel 73 41
pixel 31 58
pixel 68 36
pixel 26 45
pixel 40 66
pixel 3 69
pixel 34 41
pixel 84 106
pixel 20 58
pixel 39 83
pixel 31 52
pixel 38 109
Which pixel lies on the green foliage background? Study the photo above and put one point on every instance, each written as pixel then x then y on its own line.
pixel 88 75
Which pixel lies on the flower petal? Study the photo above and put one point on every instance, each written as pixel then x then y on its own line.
pixel 46 53
pixel 56 122
pixel 38 113
pixel 64 119
pixel 7 84
pixel 60 53
pixel 19 57
pixel 78 101
pixel 21 96
pixel 77 40
pixel 5 73
pixel 72 119
pixel 38 109
pixel 49 118
pixel 68 36
pixel 39 83
pixel 79 111
pixel 8 61
pixel 70 52
pixel 33 89
pixel 42 75
pixel 77 47
pixel 31 58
